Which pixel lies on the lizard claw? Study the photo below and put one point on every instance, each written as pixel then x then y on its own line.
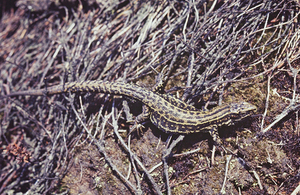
pixel 136 126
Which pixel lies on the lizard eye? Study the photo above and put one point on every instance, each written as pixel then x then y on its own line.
pixel 235 108
pixel 242 107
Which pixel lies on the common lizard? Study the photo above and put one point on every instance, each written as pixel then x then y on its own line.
pixel 166 112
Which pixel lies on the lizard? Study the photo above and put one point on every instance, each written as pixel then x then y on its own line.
pixel 169 114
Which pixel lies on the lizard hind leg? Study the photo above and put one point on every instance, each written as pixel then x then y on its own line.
pixel 139 119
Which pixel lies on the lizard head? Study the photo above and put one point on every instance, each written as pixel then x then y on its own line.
pixel 242 110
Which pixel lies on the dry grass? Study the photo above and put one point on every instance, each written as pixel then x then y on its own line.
pixel 211 53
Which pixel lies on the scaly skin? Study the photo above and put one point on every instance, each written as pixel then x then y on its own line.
pixel 166 112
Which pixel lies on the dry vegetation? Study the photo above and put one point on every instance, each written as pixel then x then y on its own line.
pixel 210 53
